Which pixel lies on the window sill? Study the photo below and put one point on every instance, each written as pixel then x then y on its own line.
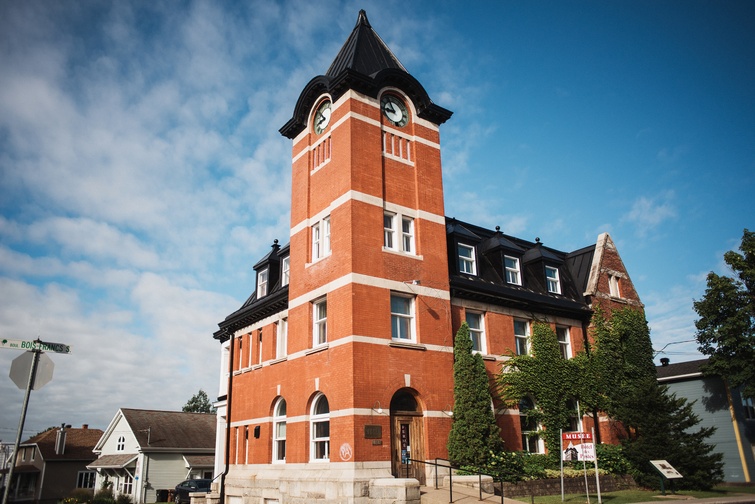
pixel 402 253
pixel 407 345
pixel 318 348
pixel 255 367
pixel 489 357
pixel 619 300
pixel 281 359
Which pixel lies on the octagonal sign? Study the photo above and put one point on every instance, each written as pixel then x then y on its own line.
pixel 21 367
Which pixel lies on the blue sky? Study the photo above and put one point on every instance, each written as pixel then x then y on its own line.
pixel 142 173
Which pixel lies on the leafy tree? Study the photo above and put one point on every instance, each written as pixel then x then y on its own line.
pixel 726 327
pixel 199 403
pixel 547 378
pixel 474 436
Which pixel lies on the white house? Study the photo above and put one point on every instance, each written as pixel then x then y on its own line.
pixel 144 451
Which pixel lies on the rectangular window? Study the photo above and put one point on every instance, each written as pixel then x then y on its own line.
pixel 551 276
pixel 521 335
pixel 389 233
pixel 281 341
pixel 285 270
pixel 562 333
pixel 259 348
pixel 262 283
pixel 512 270
pixel 466 259
pixel 85 479
pixel 321 239
pixel 321 440
pixel 402 318
pixel 749 408
pixel 320 325
pixel 613 285
pixel 476 331
pixel 407 234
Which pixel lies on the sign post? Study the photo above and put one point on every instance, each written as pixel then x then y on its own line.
pixel 666 471
pixel 36 348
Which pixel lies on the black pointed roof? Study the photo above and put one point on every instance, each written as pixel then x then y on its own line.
pixel 364 64
pixel 364 52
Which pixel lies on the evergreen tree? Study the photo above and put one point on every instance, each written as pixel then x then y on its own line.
pixel 474 433
pixel 199 403
pixel 726 327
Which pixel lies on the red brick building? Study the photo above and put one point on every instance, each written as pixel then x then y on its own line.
pixel 341 360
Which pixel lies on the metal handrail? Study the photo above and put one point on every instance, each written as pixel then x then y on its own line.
pixel 451 467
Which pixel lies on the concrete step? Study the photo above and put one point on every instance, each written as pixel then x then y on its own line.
pixel 461 494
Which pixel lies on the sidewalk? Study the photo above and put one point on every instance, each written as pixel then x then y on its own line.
pixel 467 495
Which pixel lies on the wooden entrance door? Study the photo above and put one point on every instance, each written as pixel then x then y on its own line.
pixel 407 442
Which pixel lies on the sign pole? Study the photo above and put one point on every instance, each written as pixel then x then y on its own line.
pixel 597 478
pixel 14 456
pixel 561 435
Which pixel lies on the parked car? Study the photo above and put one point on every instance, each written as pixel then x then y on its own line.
pixel 183 489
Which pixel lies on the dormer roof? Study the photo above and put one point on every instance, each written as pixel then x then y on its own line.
pixel 540 253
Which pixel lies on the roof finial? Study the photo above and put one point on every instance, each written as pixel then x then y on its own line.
pixel 275 242
pixel 537 239
pixel 498 229
pixel 362 19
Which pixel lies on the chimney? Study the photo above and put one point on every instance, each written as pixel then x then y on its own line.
pixel 664 361
pixel 85 426
pixel 60 440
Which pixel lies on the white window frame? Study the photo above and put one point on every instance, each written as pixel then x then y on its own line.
pixel 259 348
pixel 281 341
pixel 315 441
pixel 285 270
pixel 121 445
pixel 321 239
pixel 522 339
pixel 528 434
pixel 513 273
pixel 553 280
pixel 400 319
pixel 85 479
pixel 467 264
pixel 477 331
pixel 575 416
pixel 564 341
pixel 614 286
pixel 319 322
pixel 396 236
pixel 262 282
pixel 389 231
pixel 279 431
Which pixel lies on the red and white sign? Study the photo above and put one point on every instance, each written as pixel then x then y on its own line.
pixel 577 446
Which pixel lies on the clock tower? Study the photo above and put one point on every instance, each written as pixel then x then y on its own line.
pixel 368 251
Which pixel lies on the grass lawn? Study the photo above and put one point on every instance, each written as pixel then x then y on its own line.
pixel 630 496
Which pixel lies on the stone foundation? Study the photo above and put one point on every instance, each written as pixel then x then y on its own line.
pixel 337 483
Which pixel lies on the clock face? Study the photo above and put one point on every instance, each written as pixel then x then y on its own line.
pixel 394 110
pixel 322 117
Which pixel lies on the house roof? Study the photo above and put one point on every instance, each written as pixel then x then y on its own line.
pixel 113 461
pixel 79 444
pixel 171 429
pixel 197 461
pixel 680 370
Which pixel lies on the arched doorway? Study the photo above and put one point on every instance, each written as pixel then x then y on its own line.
pixel 407 439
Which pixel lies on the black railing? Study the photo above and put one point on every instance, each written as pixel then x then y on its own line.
pixel 451 469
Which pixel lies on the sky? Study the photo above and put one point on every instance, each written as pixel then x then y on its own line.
pixel 142 173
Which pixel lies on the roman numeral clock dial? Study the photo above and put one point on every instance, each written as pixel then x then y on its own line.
pixel 394 110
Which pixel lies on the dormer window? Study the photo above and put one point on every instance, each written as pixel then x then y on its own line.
pixel 466 259
pixel 512 270
pixel 551 277
pixel 262 283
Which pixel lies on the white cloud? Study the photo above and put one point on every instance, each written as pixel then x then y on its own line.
pixel 648 213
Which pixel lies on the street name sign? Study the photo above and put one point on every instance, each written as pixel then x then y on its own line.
pixel 44 346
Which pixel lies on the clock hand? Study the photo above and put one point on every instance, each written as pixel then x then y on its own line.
pixel 389 108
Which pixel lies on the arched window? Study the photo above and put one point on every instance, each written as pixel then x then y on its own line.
pixel 530 440
pixel 279 431
pixel 319 429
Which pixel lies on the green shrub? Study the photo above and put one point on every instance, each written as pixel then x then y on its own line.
pixel 104 496
pixel 123 499
pixel 611 458
pixel 79 496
